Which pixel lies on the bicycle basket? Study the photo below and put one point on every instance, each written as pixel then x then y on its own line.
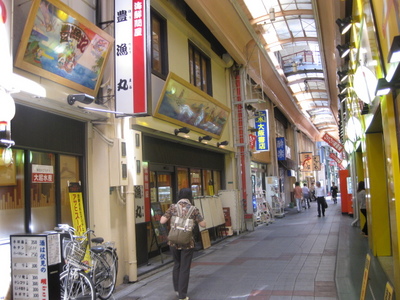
pixel 75 253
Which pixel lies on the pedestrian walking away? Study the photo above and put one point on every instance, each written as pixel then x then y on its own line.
pixel 312 192
pixel 182 254
pixel 321 201
pixel 306 196
pixel 298 194
pixel 334 192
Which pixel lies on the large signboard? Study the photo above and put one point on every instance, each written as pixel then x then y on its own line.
pixel 132 70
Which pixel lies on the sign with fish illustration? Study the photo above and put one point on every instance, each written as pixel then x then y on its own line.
pixel 61 45
pixel 184 104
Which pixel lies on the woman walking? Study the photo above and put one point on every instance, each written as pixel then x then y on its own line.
pixel 362 205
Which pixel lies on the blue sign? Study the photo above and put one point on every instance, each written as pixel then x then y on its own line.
pixel 280 148
pixel 262 142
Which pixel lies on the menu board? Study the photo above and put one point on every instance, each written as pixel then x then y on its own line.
pixel 29 262
pixel 160 230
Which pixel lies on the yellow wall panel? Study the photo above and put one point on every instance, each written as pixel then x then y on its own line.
pixel 377 200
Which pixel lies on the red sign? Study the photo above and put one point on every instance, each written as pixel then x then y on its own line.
pixel 42 174
pixel 335 158
pixel 252 140
pixel 334 143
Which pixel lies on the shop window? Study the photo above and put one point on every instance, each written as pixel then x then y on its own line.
pixel 195 182
pixel 200 69
pixel 69 172
pixel 42 191
pixel 208 183
pixel 38 210
pixel 159 61
pixel 12 197
pixel 217 181
pixel 183 178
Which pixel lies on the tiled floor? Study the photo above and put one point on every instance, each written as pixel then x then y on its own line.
pixel 297 257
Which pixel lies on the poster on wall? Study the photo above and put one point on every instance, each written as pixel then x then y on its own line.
pixel 62 46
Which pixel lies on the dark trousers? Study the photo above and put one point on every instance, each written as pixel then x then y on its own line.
pixel 320 202
pixel 365 227
pixel 181 270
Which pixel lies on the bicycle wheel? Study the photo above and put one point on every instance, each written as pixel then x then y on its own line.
pixel 75 284
pixel 105 273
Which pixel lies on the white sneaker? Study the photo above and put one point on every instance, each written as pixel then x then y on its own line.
pixel 187 298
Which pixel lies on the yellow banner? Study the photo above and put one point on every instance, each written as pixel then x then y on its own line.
pixel 78 213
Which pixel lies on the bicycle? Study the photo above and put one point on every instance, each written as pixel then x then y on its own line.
pixel 93 278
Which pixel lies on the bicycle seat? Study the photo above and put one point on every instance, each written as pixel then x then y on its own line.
pixel 97 249
pixel 97 240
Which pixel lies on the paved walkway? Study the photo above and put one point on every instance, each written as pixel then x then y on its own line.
pixel 298 257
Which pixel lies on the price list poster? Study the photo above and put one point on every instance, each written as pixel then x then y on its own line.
pixel 29 267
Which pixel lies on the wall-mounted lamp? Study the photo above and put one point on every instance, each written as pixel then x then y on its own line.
pixel 83 98
pixel 251 108
pixel 224 143
pixel 343 50
pixel 344 24
pixel 383 87
pixel 343 87
pixel 343 75
pixel 181 130
pixel 394 52
pixel 342 97
pixel 251 129
pixel 206 138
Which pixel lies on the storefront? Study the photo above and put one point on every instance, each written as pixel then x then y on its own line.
pixel 171 167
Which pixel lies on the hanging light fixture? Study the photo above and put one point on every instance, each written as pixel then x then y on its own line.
pixel 344 24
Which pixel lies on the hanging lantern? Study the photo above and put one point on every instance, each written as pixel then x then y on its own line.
pixel 349 146
pixel 353 129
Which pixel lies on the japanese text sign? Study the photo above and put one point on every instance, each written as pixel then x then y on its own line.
pixel 334 143
pixel 132 70
pixel 261 121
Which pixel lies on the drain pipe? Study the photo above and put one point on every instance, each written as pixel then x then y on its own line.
pixel 130 203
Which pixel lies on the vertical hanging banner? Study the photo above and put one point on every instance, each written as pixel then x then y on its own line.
pixel 132 71
pixel 262 142
pixel 306 161
pixel 280 148
pixel 77 210
pixel 316 163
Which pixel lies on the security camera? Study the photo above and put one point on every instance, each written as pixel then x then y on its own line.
pixel 87 99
